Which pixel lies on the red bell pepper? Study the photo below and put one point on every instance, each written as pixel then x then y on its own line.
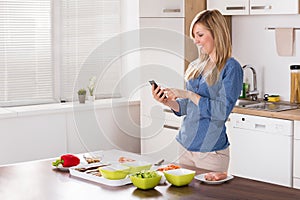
pixel 67 160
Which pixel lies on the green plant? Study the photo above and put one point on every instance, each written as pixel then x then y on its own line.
pixel 82 91
pixel 92 84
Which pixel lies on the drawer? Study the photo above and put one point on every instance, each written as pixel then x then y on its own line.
pixel 162 8
pixel 297 158
pixel 296 183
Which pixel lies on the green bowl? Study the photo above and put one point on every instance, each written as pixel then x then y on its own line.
pixel 145 183
pixel 137 166
pixel 179 177
pixel 114 172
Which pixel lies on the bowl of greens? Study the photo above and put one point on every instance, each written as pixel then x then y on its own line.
pixel 145 179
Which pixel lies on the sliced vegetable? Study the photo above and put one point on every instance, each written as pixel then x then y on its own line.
pixel 67 160
pixel 168 167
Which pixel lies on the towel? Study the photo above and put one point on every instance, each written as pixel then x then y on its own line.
pixel 284 41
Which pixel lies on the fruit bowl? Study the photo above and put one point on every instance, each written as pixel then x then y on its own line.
pixel 114 172
pixel 145 180
pixel 179 177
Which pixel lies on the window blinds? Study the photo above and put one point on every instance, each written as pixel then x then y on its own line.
pixel 88 26
pixel 26 72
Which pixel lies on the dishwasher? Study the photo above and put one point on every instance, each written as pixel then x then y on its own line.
pixel 261 148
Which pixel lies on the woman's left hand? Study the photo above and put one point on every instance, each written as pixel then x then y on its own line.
pixel 174 93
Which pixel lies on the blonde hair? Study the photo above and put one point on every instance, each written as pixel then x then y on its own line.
pixel 216 23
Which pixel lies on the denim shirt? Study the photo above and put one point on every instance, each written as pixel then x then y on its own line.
pixel 203 127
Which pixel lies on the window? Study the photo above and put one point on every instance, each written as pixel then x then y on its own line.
pixel 48 49
pixel 88 26
pixel 26 71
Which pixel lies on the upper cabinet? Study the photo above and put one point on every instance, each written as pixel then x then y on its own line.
pixel 254 7
pixel 158 8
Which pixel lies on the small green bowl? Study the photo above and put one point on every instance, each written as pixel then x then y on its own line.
pixel 137 166
pixel 179 177
pixel 114 172
pixel 145 183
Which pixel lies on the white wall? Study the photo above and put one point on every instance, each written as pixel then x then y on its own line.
pixel 253 44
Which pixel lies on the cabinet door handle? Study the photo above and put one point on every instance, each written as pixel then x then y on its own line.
pixel 236 8
pixel 169 10
pixel 171 127
pixel 261 7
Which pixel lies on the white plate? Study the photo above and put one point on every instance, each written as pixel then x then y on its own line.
pixel 201 177
pixel 61 168
pixel 99 179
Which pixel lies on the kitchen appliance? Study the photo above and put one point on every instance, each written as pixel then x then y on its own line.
pixel 261 148
pixel 296 180
pixel 295 84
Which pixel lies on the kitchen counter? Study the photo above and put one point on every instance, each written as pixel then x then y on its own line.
pixel 38 180
pixel 288 114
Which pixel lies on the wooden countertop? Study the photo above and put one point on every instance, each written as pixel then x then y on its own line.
pixel 38 180
pixel 288 114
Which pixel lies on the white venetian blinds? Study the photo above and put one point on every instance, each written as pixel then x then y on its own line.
pixel 87 26
pixel 26 71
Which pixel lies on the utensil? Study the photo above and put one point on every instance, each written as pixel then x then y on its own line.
pixel 83 169
pixel 159 162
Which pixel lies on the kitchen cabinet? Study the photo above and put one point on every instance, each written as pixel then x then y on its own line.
pixel 166 50
pixel 104 128
pixel 261 148
pixel 254 7
pixel 26 138
pixel 296 174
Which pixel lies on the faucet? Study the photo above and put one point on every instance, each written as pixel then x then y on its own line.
pixel 253 93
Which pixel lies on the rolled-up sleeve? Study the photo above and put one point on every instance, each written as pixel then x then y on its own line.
pixel 182 106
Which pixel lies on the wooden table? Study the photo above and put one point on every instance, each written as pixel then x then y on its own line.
pixel 37 180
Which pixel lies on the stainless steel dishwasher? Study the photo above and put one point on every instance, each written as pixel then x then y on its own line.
pixel 261 148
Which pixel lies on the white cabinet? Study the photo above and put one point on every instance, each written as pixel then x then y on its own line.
pixel 104 128
pixel 163 44
pixel 264 7
pixel 261 148
pixel 159 8
pixel 229 7
pixel 26 138
pixel 254 7
pixel 297 154
pixel 159 138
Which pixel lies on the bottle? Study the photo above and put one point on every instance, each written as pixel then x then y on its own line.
pixel 295 84
pixel 244 90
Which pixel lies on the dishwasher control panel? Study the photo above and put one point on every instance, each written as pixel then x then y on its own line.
pixel 265 124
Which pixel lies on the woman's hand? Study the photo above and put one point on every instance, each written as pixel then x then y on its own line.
pixel 161 96
pixel 174 93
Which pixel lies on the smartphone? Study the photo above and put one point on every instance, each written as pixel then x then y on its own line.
pixel 152 82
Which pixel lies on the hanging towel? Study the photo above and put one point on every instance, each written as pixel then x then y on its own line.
pixel 284 41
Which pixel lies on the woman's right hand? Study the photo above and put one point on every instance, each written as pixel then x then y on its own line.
pixel 159 95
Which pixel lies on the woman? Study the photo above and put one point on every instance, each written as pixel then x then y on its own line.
pixel 213 82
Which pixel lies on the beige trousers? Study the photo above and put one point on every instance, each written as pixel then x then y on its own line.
pixel 213 161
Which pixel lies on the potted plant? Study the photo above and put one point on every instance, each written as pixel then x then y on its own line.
pixel 91 88
pixel 81 95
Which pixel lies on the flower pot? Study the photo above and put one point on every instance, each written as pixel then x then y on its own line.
pixel 81 98
pixel 91 98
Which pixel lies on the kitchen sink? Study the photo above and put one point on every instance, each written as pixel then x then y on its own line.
pixel 245 103
pixel 262 105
